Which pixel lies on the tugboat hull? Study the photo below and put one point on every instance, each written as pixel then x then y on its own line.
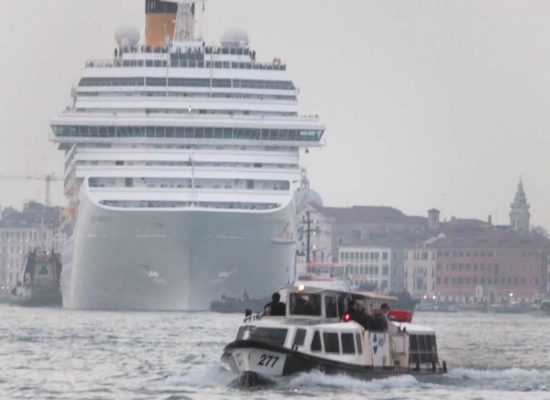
pixel 39 285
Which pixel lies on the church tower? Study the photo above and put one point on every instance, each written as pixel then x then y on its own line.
pixel 519 211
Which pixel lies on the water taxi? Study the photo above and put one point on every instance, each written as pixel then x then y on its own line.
pixel 319 332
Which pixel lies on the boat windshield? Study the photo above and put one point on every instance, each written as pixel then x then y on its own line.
pixel 305 304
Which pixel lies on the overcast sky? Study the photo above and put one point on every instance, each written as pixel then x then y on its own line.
pixel 426 103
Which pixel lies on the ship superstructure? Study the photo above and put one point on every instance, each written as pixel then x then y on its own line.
pixel 181 165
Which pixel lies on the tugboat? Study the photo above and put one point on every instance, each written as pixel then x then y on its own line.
pixel 40 284
pixel 318 332
pixel 228 304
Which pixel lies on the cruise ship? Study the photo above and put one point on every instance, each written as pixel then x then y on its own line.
pixel 181 169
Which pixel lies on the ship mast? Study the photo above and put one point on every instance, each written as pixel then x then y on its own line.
pixel 185 21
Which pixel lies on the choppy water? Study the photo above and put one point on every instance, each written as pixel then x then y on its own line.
pixel 63 354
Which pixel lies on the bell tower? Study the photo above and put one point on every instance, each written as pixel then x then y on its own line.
pixel 519 211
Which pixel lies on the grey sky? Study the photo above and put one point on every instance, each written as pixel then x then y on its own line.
pixel 427 103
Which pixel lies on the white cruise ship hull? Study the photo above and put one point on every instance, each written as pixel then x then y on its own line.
pixel 174 259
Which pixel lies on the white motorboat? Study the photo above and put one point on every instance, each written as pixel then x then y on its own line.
pixel 317 333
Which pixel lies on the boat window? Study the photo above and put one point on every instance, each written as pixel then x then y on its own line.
pixel 421 343
pixel 316 342
pixel 428 343
pixel 275 336
pixel 347 343
pixel 422 349
pixel 412 343
pixel 434 344
pixel 240 333
pixel 331 307
pixel 331 342
pixel 305 304
pixel 299 337
pixel 358 343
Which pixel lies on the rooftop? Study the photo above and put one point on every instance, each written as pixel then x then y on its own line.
pixel 370 214
pixel 34 214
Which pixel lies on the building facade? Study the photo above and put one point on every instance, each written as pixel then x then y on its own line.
pixel 373 268
pixel 493 267
pixel 419 272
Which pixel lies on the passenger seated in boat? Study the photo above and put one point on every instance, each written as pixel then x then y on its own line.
pixel 276 307
pixel 305 304
pixel 379 323
pixel 358 314
pixel 385 309
pixel 380 318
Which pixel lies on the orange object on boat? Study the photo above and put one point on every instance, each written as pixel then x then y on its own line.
pixel 401 315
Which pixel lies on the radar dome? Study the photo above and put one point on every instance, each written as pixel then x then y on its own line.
pixel 127 35
pixel 234 37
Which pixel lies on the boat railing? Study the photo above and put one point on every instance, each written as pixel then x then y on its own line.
pixel 177 63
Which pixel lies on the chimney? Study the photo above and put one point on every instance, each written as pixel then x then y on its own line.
pixel 490 219
pixel 433 219
pixel 160 22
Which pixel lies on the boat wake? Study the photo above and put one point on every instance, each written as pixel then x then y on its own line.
pixel 211 375
pixel 316 382
pixel 315 379
pixel 513 379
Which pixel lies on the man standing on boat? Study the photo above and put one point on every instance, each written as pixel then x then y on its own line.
pixel 276 307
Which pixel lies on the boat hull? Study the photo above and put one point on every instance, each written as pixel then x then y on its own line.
pixel 46 298
pixel 257 362
pixel 173 259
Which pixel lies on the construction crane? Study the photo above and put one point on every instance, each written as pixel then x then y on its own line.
pixel 48 179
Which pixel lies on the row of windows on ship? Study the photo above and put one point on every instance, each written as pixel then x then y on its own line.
pixel 185 63
pixel 189 132
pixel 190 183
pixel 189 82
pixel 186 204
pixel 196 50
pixel 178 93
pixel 187 111
pixel 190 162
pixel 73 154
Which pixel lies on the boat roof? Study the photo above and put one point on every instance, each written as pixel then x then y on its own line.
pixel 355 294
pixel 416 329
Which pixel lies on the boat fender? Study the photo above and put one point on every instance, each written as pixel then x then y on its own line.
pixel 445 366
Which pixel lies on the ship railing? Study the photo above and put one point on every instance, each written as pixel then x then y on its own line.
pixel 70 156
pixel 122 63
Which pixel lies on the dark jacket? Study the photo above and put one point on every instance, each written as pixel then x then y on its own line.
pixel 277 309
pixel 362 318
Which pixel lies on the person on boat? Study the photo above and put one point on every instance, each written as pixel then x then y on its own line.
pixel 358 314
pixel 276 307
pixel 385 309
